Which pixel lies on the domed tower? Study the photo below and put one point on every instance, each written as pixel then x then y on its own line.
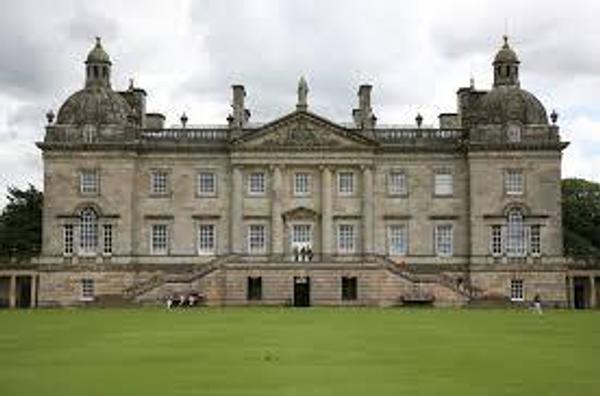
pixel 506 113
pixel 96 112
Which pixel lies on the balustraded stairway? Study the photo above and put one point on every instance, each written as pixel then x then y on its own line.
pixel 382 281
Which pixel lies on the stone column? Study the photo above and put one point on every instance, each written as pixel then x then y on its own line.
pixel 593 301
pixel 12 294
pixel 367 210
pixel 276 204
pixel 327 231
pixel 235 219
pixel 34 281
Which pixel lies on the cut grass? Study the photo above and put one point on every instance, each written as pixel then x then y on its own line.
pixel 315 351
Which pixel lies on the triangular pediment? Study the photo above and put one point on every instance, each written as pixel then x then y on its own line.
pixel 302 129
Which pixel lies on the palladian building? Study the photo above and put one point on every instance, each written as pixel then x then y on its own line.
pixel 303 210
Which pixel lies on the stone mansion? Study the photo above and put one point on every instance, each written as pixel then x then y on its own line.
pixel 302 210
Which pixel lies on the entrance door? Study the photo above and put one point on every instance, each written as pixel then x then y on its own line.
pixel 301 291
pixel 301 242
pixel 23 292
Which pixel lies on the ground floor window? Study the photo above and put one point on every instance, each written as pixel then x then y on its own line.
pixel 68 239
pixel 159 242
pixel 535 244
pixel 87 289
pixel 443 240
pixel 349 288
pixel 107 245
pixel 516 290
pixel 496 240
pixel 346 238
pixel 398 239
pixel 257 239
pixel 206 239
pixel 254 289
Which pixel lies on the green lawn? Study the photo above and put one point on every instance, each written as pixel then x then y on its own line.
pixel 275 351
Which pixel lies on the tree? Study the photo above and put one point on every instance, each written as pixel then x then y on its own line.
pixel 21 223
pixel 581 217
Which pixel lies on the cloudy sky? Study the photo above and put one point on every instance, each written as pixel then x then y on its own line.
pixel 186 54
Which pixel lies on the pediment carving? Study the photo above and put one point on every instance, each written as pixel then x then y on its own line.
pixel 304 131
pixel 300 213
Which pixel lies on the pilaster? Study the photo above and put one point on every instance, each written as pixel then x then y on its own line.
pixel 367 209
pixel 276 218
pixel 327 230
pixel 236 221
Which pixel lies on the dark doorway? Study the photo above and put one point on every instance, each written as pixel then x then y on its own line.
pixel 4 291
pixel 581 292
pixel 23 292
pixel 254 289
pixel 349 289
pixel 301 291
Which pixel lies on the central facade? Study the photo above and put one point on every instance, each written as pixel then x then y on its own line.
pixel 302 209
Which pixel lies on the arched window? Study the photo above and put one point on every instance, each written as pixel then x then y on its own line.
pixel 88 231
pixel 515 241
pixel 96 72
pixel 105 72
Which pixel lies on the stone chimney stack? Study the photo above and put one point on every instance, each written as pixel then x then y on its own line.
pixel 240 116
pixel 363 116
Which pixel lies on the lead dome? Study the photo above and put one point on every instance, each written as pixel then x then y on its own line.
pixel 96 103
pixel 506 102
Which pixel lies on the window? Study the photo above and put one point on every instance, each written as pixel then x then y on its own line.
pixel 68 239
pixel 516 290
pixel 87 289
pixel 535 240
pixel 513 134
pixel 88 182
pixel 254 289
pixel 107 245
pixel 159 182
pixel 256 183
pixel 397 183
pixel 496 240
pixel 301 234
pixel 206 239
pixel 443 240
pixel 443 183
pixel 256 238
pixel 159 241
pixel 88 231
pixel 513 182
pixel 207 183
pixel 346 238
pixel 515 244
pixel 398 239
pixel 301 184
pixel 346 183
pixel 349 288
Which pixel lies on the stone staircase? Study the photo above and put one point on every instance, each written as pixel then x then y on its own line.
pixel 432 275
pixel 181 279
